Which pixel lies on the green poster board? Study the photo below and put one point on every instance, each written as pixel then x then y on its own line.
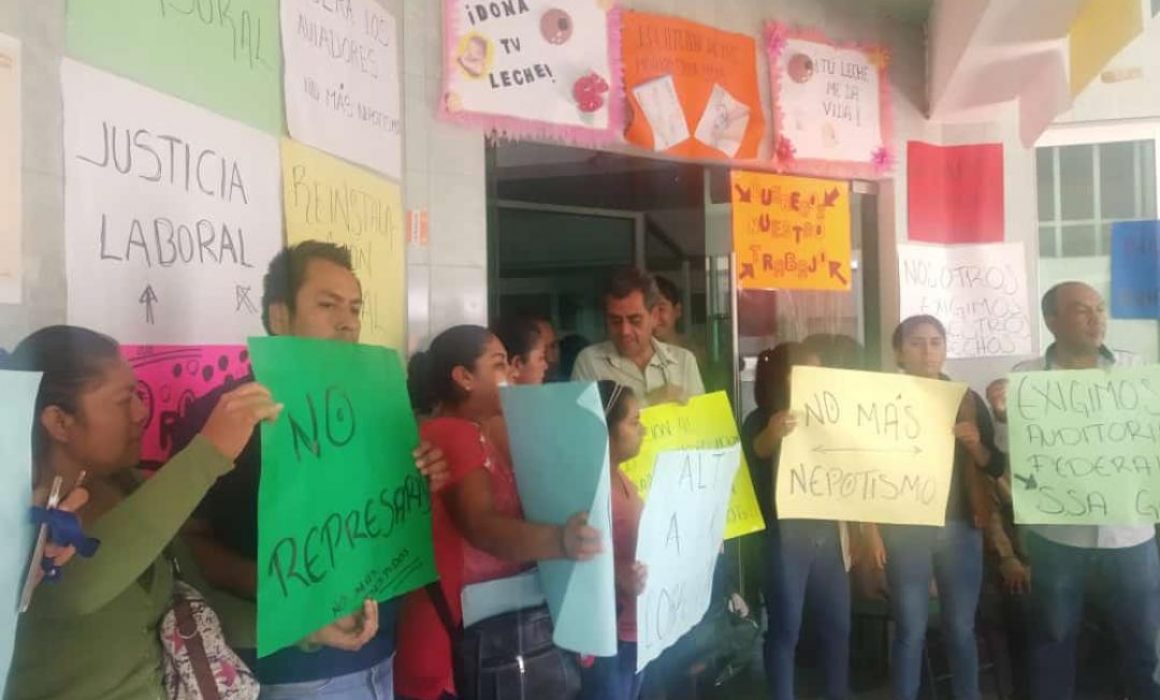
pixel 1085 446
pixel 223 55
pixel 343 514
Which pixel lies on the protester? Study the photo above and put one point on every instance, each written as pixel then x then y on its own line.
pixel 93 633
pixel 804 559
pixel 551 349
pixel 1117 564
pixel 525 345
pixel 527 348
pixel 310 291
pixel 1006 584
pixel 655 371
pixel 477 522
pixel 955 551
pixel 615 677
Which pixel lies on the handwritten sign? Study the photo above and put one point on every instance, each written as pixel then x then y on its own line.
pixel 342 80
pixel 343 513
pixel 831 104
pixel 171 214
pixel 533 68
pixel 326 199
pixel 221 55
pixel 559 446
pixel 11 262
pixel 955 193
pixel 680 534
pixel 706 422
pixel 979 292
pixel 17 412
pixel 1085 446
pixel 1136 269
pixel 869 447
pixel 713 109
pixel 791 232
pixel 172 377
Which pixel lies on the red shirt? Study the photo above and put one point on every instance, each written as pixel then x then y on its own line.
pixel 423 656
pixel 626 508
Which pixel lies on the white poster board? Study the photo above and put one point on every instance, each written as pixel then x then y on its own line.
pixel 342 80
pixel 11 262
pixel 172 214
pixel 978 291
pixel 680 535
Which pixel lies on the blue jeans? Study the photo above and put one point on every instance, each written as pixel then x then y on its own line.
pixel 954 554
pixel 375 683
pixel 804 559
pixel 612 677
pixel 1125 584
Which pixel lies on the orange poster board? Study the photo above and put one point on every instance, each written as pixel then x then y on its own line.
pixel 691 89
pixel 791 232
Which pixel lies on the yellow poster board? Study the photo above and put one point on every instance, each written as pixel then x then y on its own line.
pixel 706 422
pixel 868 447
pixel 1100 30
pixel 791 232
pixel 327 199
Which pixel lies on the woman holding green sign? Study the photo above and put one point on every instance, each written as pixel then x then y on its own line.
pixel 479 530
pixel 94 633
pixel 953 554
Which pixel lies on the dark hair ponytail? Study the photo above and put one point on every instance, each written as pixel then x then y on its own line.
pixel 70 358
pixel 614 398
pixel 429 378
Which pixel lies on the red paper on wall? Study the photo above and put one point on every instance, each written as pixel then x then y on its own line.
pixel 955 193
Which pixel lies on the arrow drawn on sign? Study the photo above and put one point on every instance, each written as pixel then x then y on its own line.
pixel 913 449
pixel 242 299
pixel 1028 482
pixel 148 298
pixel 836 271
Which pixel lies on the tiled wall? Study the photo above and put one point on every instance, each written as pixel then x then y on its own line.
pixel 445 175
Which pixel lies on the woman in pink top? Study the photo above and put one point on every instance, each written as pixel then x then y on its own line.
pixel 615 677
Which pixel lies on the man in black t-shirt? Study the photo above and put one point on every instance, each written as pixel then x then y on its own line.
pixel 310 290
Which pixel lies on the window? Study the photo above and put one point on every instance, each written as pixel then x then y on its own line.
pixel 1089 177
pixel 1084 188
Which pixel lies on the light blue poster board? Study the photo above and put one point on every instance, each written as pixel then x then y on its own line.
pixel 16 415
pixel 1136 269
pixel 559 446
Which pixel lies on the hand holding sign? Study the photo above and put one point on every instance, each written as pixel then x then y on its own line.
pixel 352 632
pixel 578 540
pixel 231 424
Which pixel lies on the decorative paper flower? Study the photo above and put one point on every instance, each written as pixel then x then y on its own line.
pixel 879 57
pixel 589 92
pixel 453 102
pixel 785 150
pixel 882 159
pixel 776 38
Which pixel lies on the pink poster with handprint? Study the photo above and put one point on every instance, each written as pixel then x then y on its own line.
pixel 170 378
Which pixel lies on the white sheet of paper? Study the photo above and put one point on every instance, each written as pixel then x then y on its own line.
pixel 172 214
pixel 11 260
pixel 342 81
pixel 658 99
pixel 833 113
pixel 680 534
pixel 978 291
pixel 723 122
